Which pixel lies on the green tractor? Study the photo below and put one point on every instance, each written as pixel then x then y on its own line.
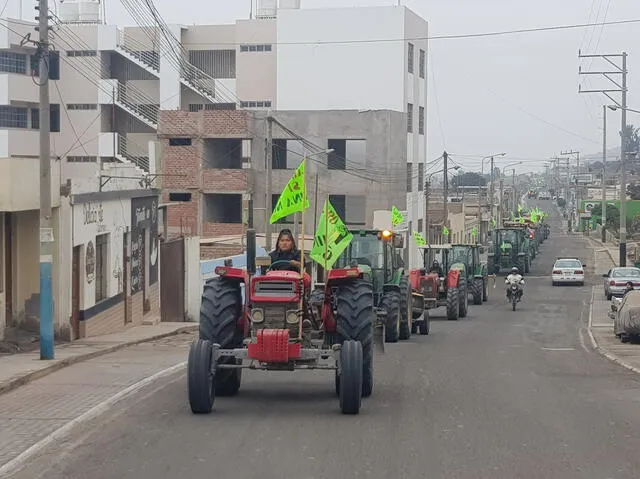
pixel 377 253
pixel 511 247
pixel 476 272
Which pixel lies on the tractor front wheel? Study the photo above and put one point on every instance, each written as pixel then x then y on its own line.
pixel 351 362
pixel 425 324
pixel 355 323
pixel 485 289
pixel 220 311
pixel 463 296
pixel 391 304
pixel 476 290
pixel 200 381
pixel 405 309
pixel 453 304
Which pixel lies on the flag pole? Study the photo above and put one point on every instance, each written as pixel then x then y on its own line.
pixel 302 247
pixel 326 241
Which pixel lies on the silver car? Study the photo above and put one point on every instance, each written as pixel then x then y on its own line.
pixel 615 281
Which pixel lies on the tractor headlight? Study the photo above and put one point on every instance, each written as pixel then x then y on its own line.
pixel 292 317
pixel 257 316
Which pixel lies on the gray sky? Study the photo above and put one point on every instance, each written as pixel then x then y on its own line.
pixel 516 93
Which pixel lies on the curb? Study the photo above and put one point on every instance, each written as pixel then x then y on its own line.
pixel 60 364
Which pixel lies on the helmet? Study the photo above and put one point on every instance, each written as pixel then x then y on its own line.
pixel 514 270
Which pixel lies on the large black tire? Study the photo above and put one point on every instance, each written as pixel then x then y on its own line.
pixel 220 310
pixel 391 304
pixel 463 296
pixel 453 304
pixel 425 324
pixel 527 264
pixel 520 263
pixel 200 383
pixel 355 323
pixel 476 290
pixel 485 289
pixel 351 360
pixel 405 308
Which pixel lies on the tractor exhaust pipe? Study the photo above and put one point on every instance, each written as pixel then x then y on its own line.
pixel 251 251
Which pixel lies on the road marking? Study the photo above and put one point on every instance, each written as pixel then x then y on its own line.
pixel 559 349
pixel 19 461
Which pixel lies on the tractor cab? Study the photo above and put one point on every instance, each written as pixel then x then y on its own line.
pixel 510 247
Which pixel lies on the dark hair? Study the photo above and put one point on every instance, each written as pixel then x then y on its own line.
pixel 286 232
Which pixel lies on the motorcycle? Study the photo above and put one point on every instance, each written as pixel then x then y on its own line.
pixel 513 294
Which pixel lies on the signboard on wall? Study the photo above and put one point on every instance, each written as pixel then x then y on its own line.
pixel 144 241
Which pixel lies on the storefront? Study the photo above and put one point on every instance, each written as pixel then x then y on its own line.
pixel 115 261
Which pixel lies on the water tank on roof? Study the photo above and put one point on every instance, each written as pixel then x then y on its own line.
pixel 69 12
pixel 290 4
pixel 267 8
pixel 80 11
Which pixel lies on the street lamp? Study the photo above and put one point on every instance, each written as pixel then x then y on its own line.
pixel 427 183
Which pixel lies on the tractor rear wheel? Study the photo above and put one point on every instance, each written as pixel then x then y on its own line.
pixel 200 381
pixel 463 296
pixel 476 290
pixel 391 304
pixel 355 323
pixel 405 309
pixel 453 304
pixel 485 289
pixel 220 311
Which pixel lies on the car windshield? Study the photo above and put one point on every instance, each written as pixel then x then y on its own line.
pixel 366 250
pixel 568 263
pixel 626 273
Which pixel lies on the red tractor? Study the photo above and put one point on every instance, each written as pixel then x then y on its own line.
pixel 447 287
pixel 266 321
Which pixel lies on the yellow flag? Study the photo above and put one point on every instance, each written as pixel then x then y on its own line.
pixel 293 198
pixel 331 238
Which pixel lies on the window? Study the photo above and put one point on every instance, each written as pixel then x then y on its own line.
pixel 420 226
pixel 422 63
pixel 13 117
pixel 54 118
pixel 82 106
pixel 409 177
pixel 409 118
pixel 274 202
pixel 179 141
pixel 421 120
pixel 410 59
pixel 13 63
pixel 102 267
pixel 279 155
pixel 216 63
pixel 222 208
pixel 179 196
pixel 420 177
pixel 256 48
pixel 54 65
pixel 355 211
pixel 256 104
pixel 337 159
pixel 353 151
pixel 82 159
pixel 82 53
pixel 339 203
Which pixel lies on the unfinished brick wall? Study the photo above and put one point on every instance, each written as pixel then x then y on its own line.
pixel 219 251
pixel 215 180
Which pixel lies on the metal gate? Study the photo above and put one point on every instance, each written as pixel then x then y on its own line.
pixel 172 280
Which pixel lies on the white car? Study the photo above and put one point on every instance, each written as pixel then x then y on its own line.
pixel 568 270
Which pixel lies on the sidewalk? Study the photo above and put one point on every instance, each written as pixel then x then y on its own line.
pixel 21 368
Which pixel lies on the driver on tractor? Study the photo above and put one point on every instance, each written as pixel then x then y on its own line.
pixel 436 268
pixel 286 253
pixel 515 277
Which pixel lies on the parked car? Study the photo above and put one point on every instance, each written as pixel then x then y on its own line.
pixel 615 281
pixel 568 270
pixel 625 313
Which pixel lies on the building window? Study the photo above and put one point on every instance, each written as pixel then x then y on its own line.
pixel 13 63
pixel 13 117
pixel 339 203
pixel 409 177
pixel 195 107
pixel 54 65
pixel 179 141
pixel 82 53
pixel 256 48
pixel 422 63
pixel 279 155
pixel 420 226
pixel 216 63
pixel 222 208
pixel 409 118
pixel 420 176
pixel 421 120
pixel 54 118
pixel 82 159
pixel 102 267
pixel 256 104
pixel 353 150
pixel 179 196
pixel 287 219
pixel 82 106
pixel 355 210
pixel 410 59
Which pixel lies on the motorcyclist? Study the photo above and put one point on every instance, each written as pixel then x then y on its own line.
pixel 436 268
pixel 515 277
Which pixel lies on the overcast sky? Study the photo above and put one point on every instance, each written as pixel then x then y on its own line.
pixel 516 94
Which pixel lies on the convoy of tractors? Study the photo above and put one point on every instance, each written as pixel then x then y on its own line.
pixel 273 320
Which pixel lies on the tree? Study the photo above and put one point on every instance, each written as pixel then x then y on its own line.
pixel 633 191
pixel 632 135
pixel 468 179
pixel 613 215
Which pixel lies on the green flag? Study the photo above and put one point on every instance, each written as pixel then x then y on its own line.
pixel 396 216
pixel 293 198
pixel 445 230
pixel 474 232
pixel 331 238
pixel 418 238
pixel 493 222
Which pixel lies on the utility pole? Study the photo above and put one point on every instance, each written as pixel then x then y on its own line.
pixel 269 165
pixel 619 88
pixel 500 202
pixel 46 223
pixel 445 209
pixel 427 186
pixel 513 192
pixel 576 185
pixel 603 214
pixel 491 194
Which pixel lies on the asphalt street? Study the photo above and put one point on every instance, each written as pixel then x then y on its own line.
pixel 499 394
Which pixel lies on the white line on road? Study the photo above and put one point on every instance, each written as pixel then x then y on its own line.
pixel 559 349
pixel 18 461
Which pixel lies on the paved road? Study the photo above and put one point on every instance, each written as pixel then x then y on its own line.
pixel 500 394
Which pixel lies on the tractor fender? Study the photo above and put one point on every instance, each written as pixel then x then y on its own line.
pixel 453 276
pixel 415 276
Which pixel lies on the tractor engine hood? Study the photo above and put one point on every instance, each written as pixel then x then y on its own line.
pixel 276 287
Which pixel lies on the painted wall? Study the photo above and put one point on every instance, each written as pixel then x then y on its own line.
pixel 91 219
pixel 144 242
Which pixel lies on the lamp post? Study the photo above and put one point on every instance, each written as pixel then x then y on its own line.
pixel 427 184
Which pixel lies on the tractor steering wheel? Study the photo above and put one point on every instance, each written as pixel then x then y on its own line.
pixel 276 262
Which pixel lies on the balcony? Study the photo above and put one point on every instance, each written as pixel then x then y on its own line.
pixel 20 185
